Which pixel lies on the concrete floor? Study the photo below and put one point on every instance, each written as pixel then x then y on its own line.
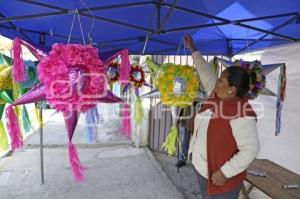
pixel 184 178
pixel 115 169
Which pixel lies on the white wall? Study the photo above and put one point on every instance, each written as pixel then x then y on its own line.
pixel 283 149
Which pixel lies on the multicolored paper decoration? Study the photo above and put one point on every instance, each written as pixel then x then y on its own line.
pixel 260 88
pixel 154 69
pixel 280 97
pixel 137 76
pixel 136 81
pixel 18 64
pixel 5 78
pixel 124 69
pixel 72 73
pixel 9 90
pixel 31 74
pixel 113 72
pixel 254 68
pixel 5 84
pixel 177 85
pixel 72 80
pixel 4 146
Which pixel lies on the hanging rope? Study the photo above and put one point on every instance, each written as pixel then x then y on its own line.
pixel 71 29
pixel 80 26
pixel 184 47
pixel 76 13
pixel 92 25
pixel 153 14
pixel 179 47
pixel 177 52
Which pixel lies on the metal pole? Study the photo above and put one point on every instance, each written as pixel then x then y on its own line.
pixel 41 41
pixel 177 149
pixel 41 143
pixel 158 12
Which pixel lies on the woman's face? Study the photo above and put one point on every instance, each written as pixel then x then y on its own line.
pixel 222 88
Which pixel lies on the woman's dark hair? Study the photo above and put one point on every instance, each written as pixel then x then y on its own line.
pixel 240 79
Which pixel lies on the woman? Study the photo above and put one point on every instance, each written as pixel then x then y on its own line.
pixel 225 141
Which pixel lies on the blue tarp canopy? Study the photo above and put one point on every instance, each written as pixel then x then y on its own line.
pixel 219 27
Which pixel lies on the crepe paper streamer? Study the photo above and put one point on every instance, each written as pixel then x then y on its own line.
pixel 281 96
pixel 16 90
pixel 2 106
pixel 126 87
pixel 278 116
pixel 5 78
pixel 25 121
pixel 5 60
pixel 137 93
pixel 37 117
pixel 31 75
pixel 12 115
pixel 100 117
pixel 3 138
pixel 282 82
pixel 138 111
pixel 2 66
pixel 126 126
pixel 124 66
pixel 16 109
pixel 71 119
pixel 13 127
pixel 77 169
pixel 4 96
pixel 169 146
pixel 92 119
pixel 113 72
pixel 18 70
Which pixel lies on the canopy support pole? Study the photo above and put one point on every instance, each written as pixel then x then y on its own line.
pixel 41 144
pixel 42 38
pixel 158 13
pixel 265 35
pixel 15 27
pixel 235 22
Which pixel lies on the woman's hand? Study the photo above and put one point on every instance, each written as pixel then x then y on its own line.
pixel 218 178
pixel 188 40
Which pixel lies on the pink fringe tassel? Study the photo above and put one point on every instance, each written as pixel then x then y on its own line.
pixel 77 169
pixel 124 67
pixel 126 126
pixel 13 128
pixel 18 69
